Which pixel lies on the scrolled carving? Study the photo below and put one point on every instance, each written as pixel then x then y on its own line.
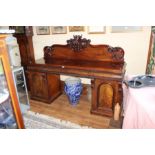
pixel 47 51
pixel 78 43
pixel 117 53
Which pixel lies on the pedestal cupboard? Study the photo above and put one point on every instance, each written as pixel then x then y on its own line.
pixel 44 86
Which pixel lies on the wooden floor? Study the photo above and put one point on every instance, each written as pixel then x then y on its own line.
pixel 79 114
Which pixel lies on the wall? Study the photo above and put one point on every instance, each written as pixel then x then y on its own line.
pixel 135 45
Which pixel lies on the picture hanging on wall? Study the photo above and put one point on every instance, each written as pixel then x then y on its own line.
pixel 59 29
pixel 43 30
pixel 18 29
pixel 151 55
pixel 96 29
pixel 76 28
pixel 126 28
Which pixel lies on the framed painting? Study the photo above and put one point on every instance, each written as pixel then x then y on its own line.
pixel 96 29
pixel 76 28
pixel 150 68
pixel 18 29
pixel 126 28
pixel 4 27
pixel 43 30
pixel 59 29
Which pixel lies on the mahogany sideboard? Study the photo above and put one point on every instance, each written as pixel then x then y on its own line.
pixel 103 64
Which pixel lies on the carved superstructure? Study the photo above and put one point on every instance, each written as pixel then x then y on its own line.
pixel 83 50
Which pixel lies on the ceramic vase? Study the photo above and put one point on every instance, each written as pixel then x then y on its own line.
pixel 73 89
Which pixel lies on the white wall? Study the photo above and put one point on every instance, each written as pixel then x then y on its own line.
pixel 135 45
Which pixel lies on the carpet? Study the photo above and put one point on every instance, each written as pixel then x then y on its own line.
pixel 34 120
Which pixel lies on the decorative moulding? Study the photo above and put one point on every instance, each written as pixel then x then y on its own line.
pixel 117 53
pixel 78 43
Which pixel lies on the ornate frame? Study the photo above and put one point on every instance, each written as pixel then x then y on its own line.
pixel 43 30
pixel 59 29
pixel 76 28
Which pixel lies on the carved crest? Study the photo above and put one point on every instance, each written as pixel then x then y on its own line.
pixel 78 43
pixel 47 51
pixel 117 52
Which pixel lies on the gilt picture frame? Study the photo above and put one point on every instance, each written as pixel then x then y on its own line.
pixel 43 30
pixel 59 29
pixel 76 28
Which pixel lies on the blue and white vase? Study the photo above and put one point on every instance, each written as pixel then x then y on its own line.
pixel 73 89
